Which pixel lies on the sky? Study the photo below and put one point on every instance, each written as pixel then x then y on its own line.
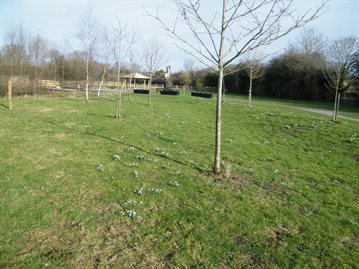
pixel 58 21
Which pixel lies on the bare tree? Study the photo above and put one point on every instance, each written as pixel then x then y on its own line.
pixel 15 49
pixel 311 42
pixel 64 48
pixel 337 74
pixel 38 50
pixel 254 70
pixel 240 27
pixel 123 40
pixel 88 34
pixel 105 55
pixel 153 58
pixel 187 75
pixel 54 55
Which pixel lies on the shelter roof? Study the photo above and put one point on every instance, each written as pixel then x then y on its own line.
pixel 135 76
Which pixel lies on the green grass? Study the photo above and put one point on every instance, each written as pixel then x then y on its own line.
pixel 345 110
pixel 289 200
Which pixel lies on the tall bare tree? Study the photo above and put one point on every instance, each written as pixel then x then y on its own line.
pixel 123 40
pixel 153 58
pixel 64 50
pixel 337 74
pixel 38 50
pixel 240 27
pixel 311 42
pixel 88 36
pixel 105 55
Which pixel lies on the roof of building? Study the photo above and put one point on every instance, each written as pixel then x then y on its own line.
pixel 135 76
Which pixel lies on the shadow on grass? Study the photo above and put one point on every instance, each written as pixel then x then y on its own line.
pixel 4 106
pixel 101 116
pixel 184 163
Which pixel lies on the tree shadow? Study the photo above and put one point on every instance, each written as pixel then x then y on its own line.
pixel 4 106
pixel 101 116
pixel 95 134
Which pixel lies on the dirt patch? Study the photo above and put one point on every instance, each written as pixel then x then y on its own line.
pixel 240 240
pixel 236 179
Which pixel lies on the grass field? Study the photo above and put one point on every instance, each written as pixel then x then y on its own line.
pixel 345 110
pixel 80 189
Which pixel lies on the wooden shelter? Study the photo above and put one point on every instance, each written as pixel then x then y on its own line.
pixel 134 80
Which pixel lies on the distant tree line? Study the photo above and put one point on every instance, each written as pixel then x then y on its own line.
pixel 298 73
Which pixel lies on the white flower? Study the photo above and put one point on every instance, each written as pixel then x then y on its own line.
pixel 116 157
pixel 100 168
pixel 174 183
pixel 138 191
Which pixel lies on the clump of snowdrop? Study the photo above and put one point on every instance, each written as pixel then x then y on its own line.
pixel 173 183
pixel 138 191
pixel 154 191
pixel 131 148
pixel 277 174
pixel 352 138
pixel 100 168
pixel 132 214
pixel 161 152
pixel 136 173
pixel 130 202
pixel 116 157
pixel 133 164
pixel 142 157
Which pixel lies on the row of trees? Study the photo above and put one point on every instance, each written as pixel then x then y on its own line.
pixel 240 29
pixel 307 70
pixel 105 53
pixel 301 72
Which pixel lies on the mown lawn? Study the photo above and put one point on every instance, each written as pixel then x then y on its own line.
pixel 80 189
pixel 345 110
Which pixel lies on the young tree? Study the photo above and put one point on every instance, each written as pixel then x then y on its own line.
pixel 239 27
pixel 105 55
pixel 186 76
pixel 254 70
pixel 337 74
pixel 153 58
pixel 123 40
pixel 88 34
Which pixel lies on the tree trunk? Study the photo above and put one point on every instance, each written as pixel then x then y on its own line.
pixel 55 75
pixel 62 72
pixel 87 79
pixel 9 94
pixel 217 151
pixel 217 161
pixel 118 98
pixel 149 90
pixel 250 88
pixel 35 81
pixel 21 66
pixel 102 79
pixel 224 90
pixel 335 105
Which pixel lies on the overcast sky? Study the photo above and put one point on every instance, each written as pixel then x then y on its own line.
pixel 58 20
